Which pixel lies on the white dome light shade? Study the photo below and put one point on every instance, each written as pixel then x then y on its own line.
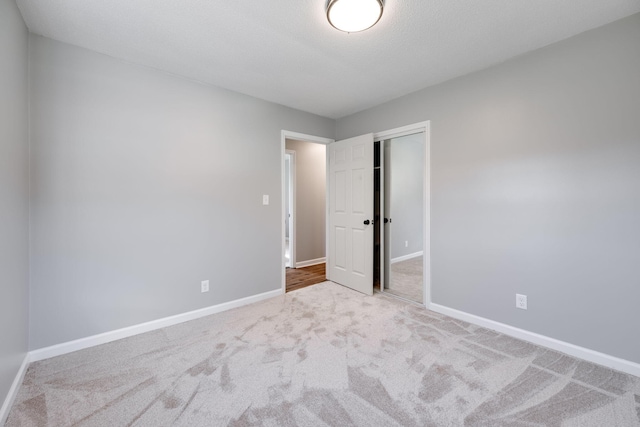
pixel 354 15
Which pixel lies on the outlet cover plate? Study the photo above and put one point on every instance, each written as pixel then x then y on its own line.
pixel 521 301
pixel 204 286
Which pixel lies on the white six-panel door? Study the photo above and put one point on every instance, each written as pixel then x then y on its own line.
pixel 350 209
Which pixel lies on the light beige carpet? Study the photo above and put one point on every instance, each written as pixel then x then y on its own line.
pixel 406 279
pixel 324 355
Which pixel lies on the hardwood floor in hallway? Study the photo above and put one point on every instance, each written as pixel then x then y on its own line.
pixel 298 278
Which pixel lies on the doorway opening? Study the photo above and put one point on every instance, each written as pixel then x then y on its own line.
pixel 289 203
pixel 304 210
pixel 402 261
pixel 399 208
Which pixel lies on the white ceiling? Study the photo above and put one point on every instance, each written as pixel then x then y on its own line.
pixel 286 52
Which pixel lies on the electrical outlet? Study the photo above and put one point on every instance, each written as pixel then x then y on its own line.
pixel 265 199
pixel 406 243
pixel 521 301
pixel 204 286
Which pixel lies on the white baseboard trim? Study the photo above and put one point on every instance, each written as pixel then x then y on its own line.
pixel 82 343
pixel 406 257
pixel 13 391
pixel 542 340
pixel 311 262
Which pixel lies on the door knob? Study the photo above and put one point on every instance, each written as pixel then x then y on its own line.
pixel 366 222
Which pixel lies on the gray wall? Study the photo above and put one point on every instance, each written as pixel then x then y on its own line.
pixel 311 179
pixel 535 187
pixel 14 194
pixel 406 198
pixel 144 184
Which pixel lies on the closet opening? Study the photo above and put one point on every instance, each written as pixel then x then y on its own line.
pixel 400 196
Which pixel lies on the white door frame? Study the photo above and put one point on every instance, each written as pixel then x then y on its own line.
pixel 292 208
pixel 284 135
pixel 426 244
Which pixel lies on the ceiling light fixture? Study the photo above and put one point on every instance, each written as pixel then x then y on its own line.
pixel 354 15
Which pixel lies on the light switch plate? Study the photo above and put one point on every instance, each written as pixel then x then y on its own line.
pixel 265 199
